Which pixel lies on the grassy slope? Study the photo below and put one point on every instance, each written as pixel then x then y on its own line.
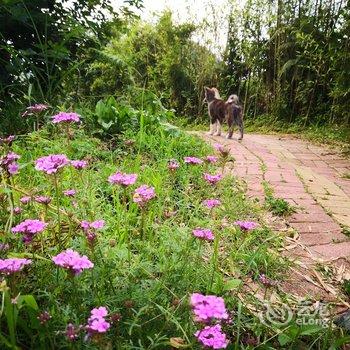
pixel 147 280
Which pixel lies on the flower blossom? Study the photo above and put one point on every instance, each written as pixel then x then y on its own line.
pixel 25 199
pixel 212 179
pixel 211 203
pixel 192 160
pixel 173 165
pixel 246 225
pixel 12 265
pixel 97 321
pixel 17 210
pixel 219 147
pixel 211 159
pixel 90 227
pixel 35 109
pixel 9 163
pixel 7 140
pixel 79 164
pixel 72 261
pixel 143 194
pixel 70 193
pixel 207 308
pixel 203 233
pixel 52 163
pixel 44 317
pixel 72 332
pixel 29 228
pixel 122 179
pixel 42 199
pixel 212 337
pixel 66 117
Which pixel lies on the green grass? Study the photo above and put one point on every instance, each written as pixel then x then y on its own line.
pixel 144 280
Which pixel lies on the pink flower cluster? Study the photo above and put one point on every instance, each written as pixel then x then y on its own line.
pixel 7 140
pixel 42 199
pixel 219 147
pixel 52 163
pixel 211 203
pixel 212 179
pixel 143 195
pixel 97 321
pixel 12 265
pixel 203 233
pixel 208 308
pixel 246 225
pixel 35 109
pixel 90 227
pixel 29 228
pixel 212 337
pixel 122 179
pixel 173 165
pixel 25 199
pixel 79 164
pixel 72 261
pixel 9 163
pixel 211 159
pixel 70 193
pixel 192 160
pixel 66 117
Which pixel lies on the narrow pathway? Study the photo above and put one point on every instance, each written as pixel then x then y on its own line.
pixel 311 178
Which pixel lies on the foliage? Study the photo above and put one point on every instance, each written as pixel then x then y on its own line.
pixel 290 59
pixel 160 58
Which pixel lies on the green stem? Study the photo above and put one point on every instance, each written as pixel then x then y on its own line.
pixel 58 210
pixel 214 261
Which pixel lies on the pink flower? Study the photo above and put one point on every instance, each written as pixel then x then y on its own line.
pixel 212 337
pixel 219 147
pixel 70 193
pixel 173 165
pixel 97 322
pixel 212 179
pixel 192 160
pixel 211 203
pixel 98 224
pixel 211 159
pixel 42 199
pixel 25 199
pixel 51 163
pixel 143 194
pixel 207 308
pixel 79 164
pixel 12 265
pixel 7 140
pixel 29 228
pixel 266 281
pixel 72 332
pixel 17 210
pixel 8 162
pixel 35 109
pixel 122 179
pixel 44 317
pixel 72 261
pixel 66 117
pixel 203 233
pixel 246 225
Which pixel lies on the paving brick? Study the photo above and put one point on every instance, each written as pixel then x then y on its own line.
pixel 315 227
pixel 334 250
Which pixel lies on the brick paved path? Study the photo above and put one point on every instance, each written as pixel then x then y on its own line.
pixel 307 176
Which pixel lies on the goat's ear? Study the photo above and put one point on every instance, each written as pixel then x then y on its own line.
pixel 206 88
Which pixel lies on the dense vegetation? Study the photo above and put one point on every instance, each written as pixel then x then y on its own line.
pixel 288 60
pixel 106 238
